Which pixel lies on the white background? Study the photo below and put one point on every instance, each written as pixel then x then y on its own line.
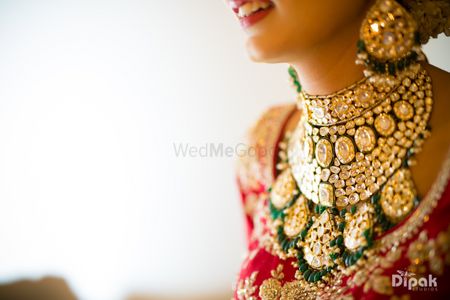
pixel 93 95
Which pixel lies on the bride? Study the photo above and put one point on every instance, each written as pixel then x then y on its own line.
pixel 347 195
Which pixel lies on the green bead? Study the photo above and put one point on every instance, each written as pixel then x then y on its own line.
pixel 332 243
pixel 366 234
pixel 360 45
pixel 304 233
pixel 280 231
pixel 347 260
pixel 312 276
pixel 341 226
pixel 306 274
pixel 342 213
pixel 353 209
pixel 339 240
pixel 303 267
pixel 333 256
pixel 292 72
pixel 284 245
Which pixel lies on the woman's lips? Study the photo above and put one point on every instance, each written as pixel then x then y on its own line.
pixel 250 12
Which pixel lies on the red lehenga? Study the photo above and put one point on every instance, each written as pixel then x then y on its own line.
pixel 419 245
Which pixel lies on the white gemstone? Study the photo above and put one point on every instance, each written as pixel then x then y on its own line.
pixel 341 108
pixel 316 262
pixel 353 198
pixel 325 174
pixel 316 248
pixel 340 192
pixel 388 38
pixel 385 124
pixel 324 131
pixel 320 231
pixel 365 138
pixel 324 217
pixel 324 152
pixel 342 201
pixel 318 112
pixel 326 194
pixel 345 150
pixel 350 242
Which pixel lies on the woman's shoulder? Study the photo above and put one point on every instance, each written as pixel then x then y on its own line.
pixel 441 88
pixel 256 164
pixel 436 148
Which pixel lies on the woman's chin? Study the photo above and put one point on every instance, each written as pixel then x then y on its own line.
pixel 263 51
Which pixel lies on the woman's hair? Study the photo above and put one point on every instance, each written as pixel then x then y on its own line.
pixel 432 16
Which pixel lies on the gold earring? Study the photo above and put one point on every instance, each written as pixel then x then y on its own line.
pixel 389 43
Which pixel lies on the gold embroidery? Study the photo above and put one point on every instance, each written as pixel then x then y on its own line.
pixel 379 283
pixel 270 289
pixel 247 288
pixel 431 253
pixel 273 289
pixel 293 290
pixel 255 167
pixel 369 271
pixel 250 204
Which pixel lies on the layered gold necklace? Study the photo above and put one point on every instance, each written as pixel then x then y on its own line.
pixel 345 174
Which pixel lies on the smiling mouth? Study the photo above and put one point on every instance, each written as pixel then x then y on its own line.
pixel 250 12
pixel 252 7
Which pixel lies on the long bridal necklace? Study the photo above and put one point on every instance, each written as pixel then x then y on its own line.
pixel 345 179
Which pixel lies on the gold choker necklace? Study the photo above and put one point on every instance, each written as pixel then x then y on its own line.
pixel 345 176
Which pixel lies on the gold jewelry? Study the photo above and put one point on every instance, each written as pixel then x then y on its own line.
pixel 389 41
pixel 345 176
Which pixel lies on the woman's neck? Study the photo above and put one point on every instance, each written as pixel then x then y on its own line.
pixel 330 66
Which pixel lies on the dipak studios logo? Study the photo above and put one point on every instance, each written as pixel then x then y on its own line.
pixel 414 282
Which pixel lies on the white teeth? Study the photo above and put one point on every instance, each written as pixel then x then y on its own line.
pixel 250 7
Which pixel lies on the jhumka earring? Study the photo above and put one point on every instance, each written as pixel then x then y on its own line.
pixel 389 43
